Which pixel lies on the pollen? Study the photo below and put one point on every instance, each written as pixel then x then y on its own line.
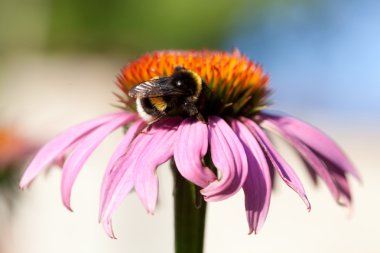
pixel 237 85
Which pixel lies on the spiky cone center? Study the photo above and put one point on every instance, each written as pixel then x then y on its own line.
pixel 238 87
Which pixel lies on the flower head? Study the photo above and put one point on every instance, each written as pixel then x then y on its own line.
pixel 239 86
pixel 13 147
pixel 232 139
pixel 14 150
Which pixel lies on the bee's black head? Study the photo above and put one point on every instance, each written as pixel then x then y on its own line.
pixel 187 80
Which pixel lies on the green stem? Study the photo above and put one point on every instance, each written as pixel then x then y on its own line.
pixel 189 215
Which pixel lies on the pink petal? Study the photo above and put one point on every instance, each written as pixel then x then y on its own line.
pixel 159 150
pixel 189 149
pixel 107 225
pixel 312 173
pixel 342 184
pixel 257 188
pixel 315 140
pixel 281 166
pixel 228 156
pixel 309 157
pixel 137 166
pixel 56 147
pixel 133 130
pixel 61 159
pixel 83 151
pixel 120 183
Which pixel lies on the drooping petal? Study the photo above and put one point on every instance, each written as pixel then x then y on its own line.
pixel 189 149
pixel 121 179
pixel 83 151
pixel 257 188
pixel 160 150
pixel 121 149
pixel 61 158
pixel 107 226
pixel 228 156
pixel 120 183
pixel 281 166
pixel 55 148
pixel 315 140
pixel 308 156
pixel 137 167
pixel 312 173
pixel 341 182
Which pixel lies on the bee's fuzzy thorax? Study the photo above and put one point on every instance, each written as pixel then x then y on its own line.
pixel 198 87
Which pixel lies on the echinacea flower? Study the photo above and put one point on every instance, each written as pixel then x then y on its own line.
pixel 229 152
pixel 15 149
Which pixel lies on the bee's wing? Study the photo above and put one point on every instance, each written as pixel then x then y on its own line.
pixel 155 88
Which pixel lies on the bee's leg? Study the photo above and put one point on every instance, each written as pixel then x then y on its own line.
pixel 150 124
pixel 192 111
pixel 200 117
pixel 146 129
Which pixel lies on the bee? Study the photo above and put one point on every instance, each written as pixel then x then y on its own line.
pixel 181 94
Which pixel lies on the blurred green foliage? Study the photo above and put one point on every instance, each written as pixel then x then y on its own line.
pixel 9 178
pixel 140 25
pixel 128 26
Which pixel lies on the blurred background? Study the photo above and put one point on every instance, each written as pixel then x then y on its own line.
pixel 58 62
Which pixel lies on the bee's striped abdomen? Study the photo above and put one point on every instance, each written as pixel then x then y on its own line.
pixel 146 110
pixel 159 103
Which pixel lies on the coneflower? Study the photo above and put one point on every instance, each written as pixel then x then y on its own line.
pixel 15 149
pixel 212 159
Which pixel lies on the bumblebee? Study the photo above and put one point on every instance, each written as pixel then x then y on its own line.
pixel 181 94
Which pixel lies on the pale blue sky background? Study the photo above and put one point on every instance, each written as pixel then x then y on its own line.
pixel 324 56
